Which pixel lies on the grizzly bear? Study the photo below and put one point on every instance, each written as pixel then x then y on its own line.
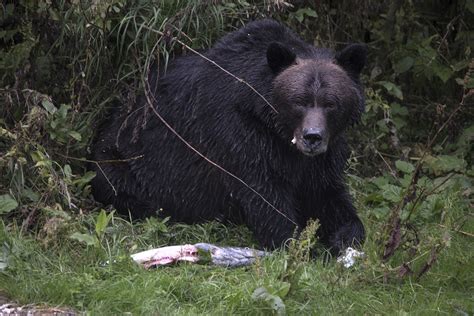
pixel 281 144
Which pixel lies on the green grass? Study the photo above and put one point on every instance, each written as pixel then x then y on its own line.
pixel 64 272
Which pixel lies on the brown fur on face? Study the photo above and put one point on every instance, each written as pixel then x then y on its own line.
pixel 317 99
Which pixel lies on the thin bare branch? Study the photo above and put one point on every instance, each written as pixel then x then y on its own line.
pixel 106 178
pixel 102 161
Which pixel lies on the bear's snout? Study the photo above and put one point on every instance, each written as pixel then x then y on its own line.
pixel 313 137
pixel 315 141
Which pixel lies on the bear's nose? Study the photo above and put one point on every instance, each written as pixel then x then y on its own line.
pixel 313 136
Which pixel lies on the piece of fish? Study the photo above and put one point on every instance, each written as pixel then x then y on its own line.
pixel 200 253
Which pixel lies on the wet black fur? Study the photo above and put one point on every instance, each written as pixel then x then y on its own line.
pixel 234 127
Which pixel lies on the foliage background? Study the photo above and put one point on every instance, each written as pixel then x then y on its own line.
pixel 62 63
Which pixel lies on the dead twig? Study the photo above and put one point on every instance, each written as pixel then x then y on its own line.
pixel 106 178
pixel 102 161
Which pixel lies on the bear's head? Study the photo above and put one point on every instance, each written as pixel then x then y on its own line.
pixel 317 98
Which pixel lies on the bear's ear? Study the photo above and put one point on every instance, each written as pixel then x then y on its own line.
pixel 279 57
pixel 352 58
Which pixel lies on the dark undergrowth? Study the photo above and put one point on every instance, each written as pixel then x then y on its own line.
pixel 63 63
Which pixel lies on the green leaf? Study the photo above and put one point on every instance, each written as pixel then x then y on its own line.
pixel 116 8
pixel 67 171
pixel 391 193
pixel 309 12
pixel 380 181
pixel 392 89
pixel 301 13
pixel 405 180
pixel 404 166
pixel 7 203
pixel 396 108
pixel 283 289
pixel 404 64
pixel 63 109
pixel 75 135
pixel 102 222
pixel 48 106
pixel 85 179
pixel 443 72
pixel 373 197
pixel 274 301
pixel 380 212
pixel 37 156
pixel 88 239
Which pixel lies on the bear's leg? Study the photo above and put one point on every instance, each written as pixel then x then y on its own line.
pixel 340 225
pixel 348 234
pixel 116 190
pixel 273 231
pixel 271 227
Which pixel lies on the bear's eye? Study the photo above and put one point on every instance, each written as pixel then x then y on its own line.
pixel 330 105
pixel 328 101
pixel 302 101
